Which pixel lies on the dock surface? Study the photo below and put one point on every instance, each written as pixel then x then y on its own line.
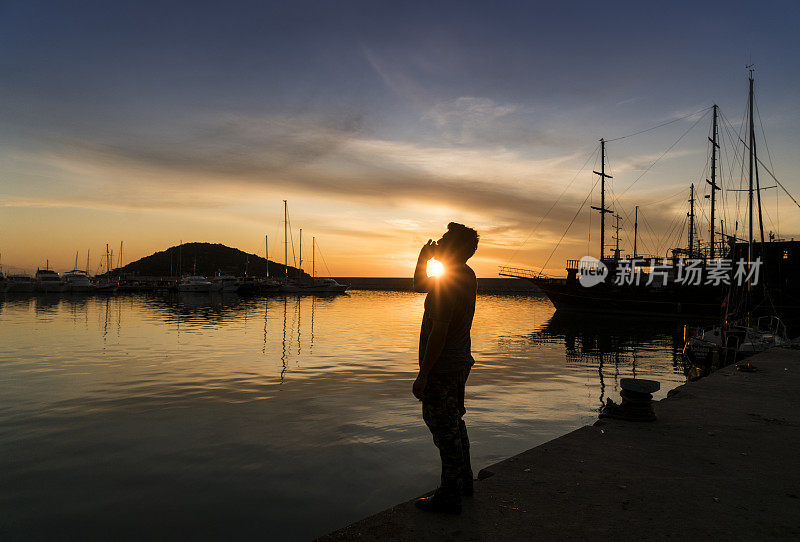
pixel 721 462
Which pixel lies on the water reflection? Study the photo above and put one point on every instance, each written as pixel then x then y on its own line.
pixel 47 303
pixel 613 344
pixel 257 415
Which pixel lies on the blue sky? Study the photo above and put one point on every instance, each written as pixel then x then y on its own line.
pixel 379 122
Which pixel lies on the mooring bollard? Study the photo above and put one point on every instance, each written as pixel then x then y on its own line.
pixel 637 401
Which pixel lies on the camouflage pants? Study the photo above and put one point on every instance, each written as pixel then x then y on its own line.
pixel 442 409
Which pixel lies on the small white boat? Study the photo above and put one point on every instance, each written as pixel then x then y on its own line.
pixel 733 342
pixel 323 286
pixel 194 283
pixel 48 281
pixel 224 283
pixel 78 282
pixel 19 284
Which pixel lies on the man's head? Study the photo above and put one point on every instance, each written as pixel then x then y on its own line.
pixel 458 244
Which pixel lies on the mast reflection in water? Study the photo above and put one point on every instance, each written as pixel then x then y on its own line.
pixel 616 345
pixel 278 417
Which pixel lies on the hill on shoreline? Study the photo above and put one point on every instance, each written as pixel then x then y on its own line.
pixel 207 259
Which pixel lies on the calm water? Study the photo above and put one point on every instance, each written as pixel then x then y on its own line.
pixel 280 418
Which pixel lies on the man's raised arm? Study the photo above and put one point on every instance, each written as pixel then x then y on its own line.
pixel 421 280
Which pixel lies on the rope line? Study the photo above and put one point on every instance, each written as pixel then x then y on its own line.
pixel 665 152
pixel 660 125
pixel 552 206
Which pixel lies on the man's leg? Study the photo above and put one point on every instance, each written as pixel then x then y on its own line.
pixel 466 472
pixel 440 410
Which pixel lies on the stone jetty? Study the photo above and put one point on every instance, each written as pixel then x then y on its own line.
pixel 720 462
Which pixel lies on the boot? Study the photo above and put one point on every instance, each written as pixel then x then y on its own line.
pixel 443 502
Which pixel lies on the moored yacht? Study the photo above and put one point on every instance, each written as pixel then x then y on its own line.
pixel 323 286
pixel 268 286
pixel 224 283
pixel 48 281
pixel 194 283
pixel 19 284
pixel 78 282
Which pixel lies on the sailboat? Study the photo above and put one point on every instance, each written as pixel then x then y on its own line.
pixel 106 285
pixel 320 285
pixel 268 285
pixel 286 285
pixel 194 283
pixel 750 324
pixel 303 284
pixel 224 283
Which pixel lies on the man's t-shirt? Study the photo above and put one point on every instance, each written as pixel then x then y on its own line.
pixel 452 300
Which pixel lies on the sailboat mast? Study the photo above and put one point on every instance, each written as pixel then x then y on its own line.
pixel 602 196
pixel 266 252
pixel 300 266
pixel 713 181
pixel 87 261
pixel 285 240
pixel 691 221
pixel 750 188
pixel 602 207
pixel 108 262
pixel 76 260
pixel 754 160
pixel 313 261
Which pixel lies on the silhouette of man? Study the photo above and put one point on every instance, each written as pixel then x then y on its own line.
pixel 445 359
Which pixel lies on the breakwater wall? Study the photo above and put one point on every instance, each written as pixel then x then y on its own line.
pixel 403 284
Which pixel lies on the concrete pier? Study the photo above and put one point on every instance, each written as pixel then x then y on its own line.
pixel 722 461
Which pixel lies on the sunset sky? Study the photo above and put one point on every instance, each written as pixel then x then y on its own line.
pixel 155 122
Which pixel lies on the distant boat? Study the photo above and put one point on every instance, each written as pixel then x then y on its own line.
pixel 78 282
pixel 305 284
pixel 323 286
pixel 224 283
pixel 105 286
pixel 194 283
pixel 320 285
pixel 288 287
pixel 248 286
pixel 48 281
pixel 19 284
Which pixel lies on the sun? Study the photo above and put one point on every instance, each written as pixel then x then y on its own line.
pixel 435 268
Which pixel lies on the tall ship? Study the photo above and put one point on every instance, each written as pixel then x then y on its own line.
pixel 642 283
